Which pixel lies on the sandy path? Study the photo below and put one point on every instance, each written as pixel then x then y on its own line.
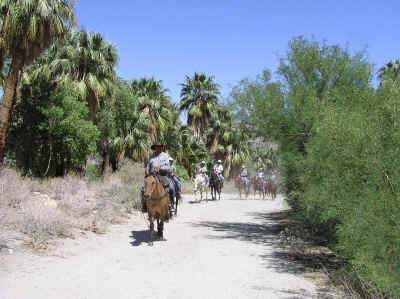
pixel 224 249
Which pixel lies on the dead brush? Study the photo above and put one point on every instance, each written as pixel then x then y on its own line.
pixel 3 238
pixel 42 223
pixel 354 286
pixel 13 188
pixel 45 209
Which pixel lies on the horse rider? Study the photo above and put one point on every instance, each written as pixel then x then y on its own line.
pixel 260 176
pixel 203 170
pixel 218 169
pixel 243 175
pixel 273 177
pixel 174 177
pixel 159 164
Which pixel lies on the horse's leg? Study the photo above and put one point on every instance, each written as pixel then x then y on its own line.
pixel 151 230
pixel 176 206
pixel 160 229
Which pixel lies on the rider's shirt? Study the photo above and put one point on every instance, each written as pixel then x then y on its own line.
pixel 218 168
pixel 203 169
pixel 244 172
pixel 261 175
pixel 160 162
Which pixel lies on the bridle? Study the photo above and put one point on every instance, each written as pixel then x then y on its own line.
pixel 165 192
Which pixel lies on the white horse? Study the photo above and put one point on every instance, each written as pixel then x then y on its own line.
pixel 201 184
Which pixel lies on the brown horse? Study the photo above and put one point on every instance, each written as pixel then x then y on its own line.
pixel 157 202
pixel 271 188
pixel 242 186
pixel 258 186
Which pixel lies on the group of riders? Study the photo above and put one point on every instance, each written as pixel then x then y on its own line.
pixel 162 165
pixel 243 176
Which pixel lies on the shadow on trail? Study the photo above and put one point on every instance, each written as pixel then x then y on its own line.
pixel 264 231
pixel 139 237
pixel 142 236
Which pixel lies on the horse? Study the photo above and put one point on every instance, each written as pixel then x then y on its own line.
pixel 242 186
pixel 216 186
pixel 201 185
pixel 258 186
pixel 273 190
pixel 157 202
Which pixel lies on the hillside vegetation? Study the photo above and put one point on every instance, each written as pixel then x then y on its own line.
pixel 69 124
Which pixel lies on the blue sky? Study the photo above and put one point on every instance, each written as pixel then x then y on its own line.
pixel 231 40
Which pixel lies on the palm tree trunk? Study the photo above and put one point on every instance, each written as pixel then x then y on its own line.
pixel 106 164
pixel 8 99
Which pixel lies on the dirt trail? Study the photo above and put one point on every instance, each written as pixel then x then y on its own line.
pixel 225 249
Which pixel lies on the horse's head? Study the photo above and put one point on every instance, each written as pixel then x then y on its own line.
pixel 149 186
pixel 152 187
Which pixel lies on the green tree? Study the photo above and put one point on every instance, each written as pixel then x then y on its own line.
pixel 87 60
pixel 390 71
pixel 125 131
pixel 199 97
pixel 154 103
pixel 27 29
pixel 49 133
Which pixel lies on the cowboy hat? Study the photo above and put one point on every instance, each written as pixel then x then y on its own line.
pixel 203 162
pixel 219 161
pixel 153 147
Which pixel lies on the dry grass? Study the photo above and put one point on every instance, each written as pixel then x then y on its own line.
pixel 303 248
pixel 43 210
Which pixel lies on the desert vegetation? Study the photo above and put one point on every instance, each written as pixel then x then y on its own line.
pixel 74 137
pixel 338 145
pixel 40 211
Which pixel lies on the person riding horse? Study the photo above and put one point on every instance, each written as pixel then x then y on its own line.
pixel 243 175
pixel 218 169
pixel 260 176
pixel 203 170
pixel 159 164
pixel 175 178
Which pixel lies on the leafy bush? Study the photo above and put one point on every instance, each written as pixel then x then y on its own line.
pixel 340 149
pixel 49 133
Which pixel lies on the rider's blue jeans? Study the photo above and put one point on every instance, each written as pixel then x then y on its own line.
pixel 221 177
pixel 177 183
pixel 171 189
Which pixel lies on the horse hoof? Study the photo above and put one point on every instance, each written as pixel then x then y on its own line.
pixel 151 243
pixel 162 239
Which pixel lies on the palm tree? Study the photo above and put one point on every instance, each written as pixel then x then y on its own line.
pixel 199 98
pixel 87 60
pixel 390 71
pixel 27 29
pixel 154 103
pixel 220 123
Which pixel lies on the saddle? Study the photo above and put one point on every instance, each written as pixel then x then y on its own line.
pixel 163 180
